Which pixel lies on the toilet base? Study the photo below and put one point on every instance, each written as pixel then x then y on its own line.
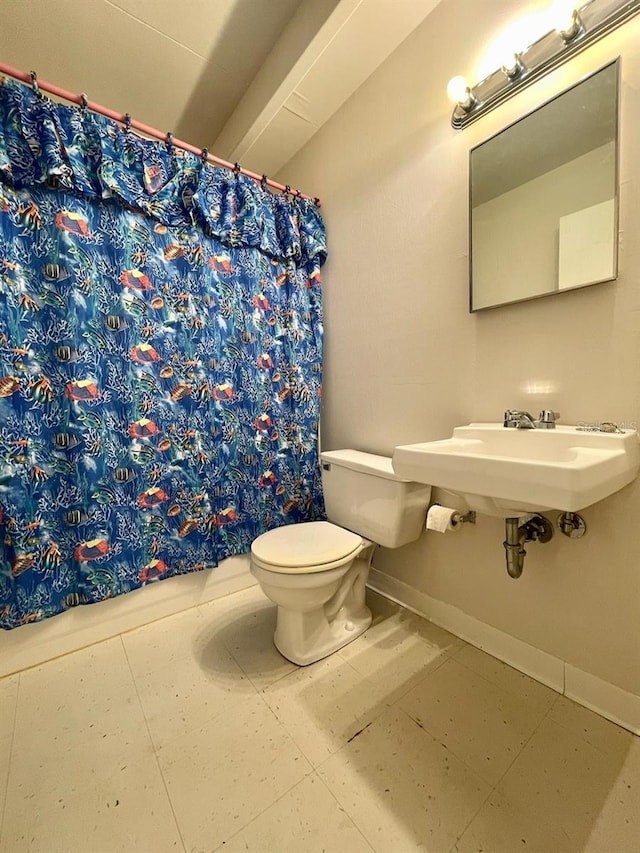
pixel 305 638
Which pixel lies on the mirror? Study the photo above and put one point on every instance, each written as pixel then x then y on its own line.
pixel 543 198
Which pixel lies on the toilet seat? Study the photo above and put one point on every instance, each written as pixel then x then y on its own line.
pixel 311 546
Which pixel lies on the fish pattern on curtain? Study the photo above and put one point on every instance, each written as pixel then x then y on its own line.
pixel 160 359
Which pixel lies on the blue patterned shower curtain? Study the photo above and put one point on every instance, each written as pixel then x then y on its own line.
pixel 160 359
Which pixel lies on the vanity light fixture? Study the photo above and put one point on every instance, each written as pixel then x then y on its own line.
pixel 585 25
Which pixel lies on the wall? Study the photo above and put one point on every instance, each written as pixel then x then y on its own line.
pixel 406 362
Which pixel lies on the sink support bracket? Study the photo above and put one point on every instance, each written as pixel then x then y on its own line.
pixel 532 528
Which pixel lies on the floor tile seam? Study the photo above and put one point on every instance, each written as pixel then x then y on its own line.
pixel 212 604
pixel 3 803
pixel 170 801
pixel 135 685
pixel 276 680
pixel 305 669
pixel 582 737
pixel 153 747
pixel 226 841
pixel 488 785
pixel 574 731
pixel 447 653
pixel 216 603
pixel 134 628
pixel 383 709
pixel 161 748
pixel 59 656
pixel 343 806
pixel 289 735
pixel 494 683
pixel 188 656
pixel 505 690
pixel 490 794
pixel 415 681
pixel 343 809
pixel 10 761
pixel 229 651
pixel 346 744
pixel 408 609
pixel 447 746
pixel 524 746
pixel 151 670
pixel 456 646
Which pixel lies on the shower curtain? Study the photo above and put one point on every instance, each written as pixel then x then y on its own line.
pixel 160 359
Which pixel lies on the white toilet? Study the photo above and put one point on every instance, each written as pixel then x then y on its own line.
pixel 316 571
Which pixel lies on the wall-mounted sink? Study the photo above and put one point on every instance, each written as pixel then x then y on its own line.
pixel 513 472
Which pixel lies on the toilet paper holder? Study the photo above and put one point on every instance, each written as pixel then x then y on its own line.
pixel 467 518
pixel 443 518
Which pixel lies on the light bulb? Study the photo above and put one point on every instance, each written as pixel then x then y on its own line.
pixel 512 66
pixel 458 91
pixel 564 18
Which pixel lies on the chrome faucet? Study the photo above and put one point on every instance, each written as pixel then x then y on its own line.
pixel 516 419
pixel 547 419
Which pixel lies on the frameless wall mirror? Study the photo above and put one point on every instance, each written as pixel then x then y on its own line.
pixel 543 198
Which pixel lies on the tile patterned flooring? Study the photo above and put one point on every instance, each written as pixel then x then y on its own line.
pixel 194 734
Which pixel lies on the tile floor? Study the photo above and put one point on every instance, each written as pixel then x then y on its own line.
pixel 193 734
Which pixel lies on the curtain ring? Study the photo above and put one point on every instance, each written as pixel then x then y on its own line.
pixel 34 84
pixel 263 182
pixel 316 201
pixel 84 103
pixel 296 195
pixel 127 122
pixel 287 189
pixel 204 155
pixel 170 145
pixel 237 168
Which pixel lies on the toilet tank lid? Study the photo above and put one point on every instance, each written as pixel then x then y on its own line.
pixel 369 463
pixel 311 543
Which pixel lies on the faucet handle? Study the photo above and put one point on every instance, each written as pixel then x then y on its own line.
pixel 548 418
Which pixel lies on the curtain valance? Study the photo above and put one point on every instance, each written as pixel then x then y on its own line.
pixel 43 143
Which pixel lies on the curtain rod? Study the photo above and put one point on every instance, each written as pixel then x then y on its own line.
pixel 126 120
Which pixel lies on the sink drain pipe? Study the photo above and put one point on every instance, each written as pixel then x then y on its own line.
pixel 513 547
pixel 533 528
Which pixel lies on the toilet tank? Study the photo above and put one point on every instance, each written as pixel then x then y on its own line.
pixel 363 494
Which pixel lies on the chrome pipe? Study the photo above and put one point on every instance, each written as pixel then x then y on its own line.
pixel 516 536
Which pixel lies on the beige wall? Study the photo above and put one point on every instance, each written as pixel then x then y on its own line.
pixel 406 362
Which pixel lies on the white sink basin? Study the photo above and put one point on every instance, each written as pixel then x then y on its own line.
pixel 510 472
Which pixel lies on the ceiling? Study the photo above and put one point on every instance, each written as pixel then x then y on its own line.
pixel 251 80
pixel 179 66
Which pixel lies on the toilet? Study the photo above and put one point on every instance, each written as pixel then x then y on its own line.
pixel 316 571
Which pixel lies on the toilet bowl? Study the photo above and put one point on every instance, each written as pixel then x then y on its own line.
pixel 316 572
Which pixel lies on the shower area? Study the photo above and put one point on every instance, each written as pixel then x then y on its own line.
pixel 160 373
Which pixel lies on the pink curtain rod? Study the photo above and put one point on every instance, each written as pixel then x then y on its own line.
pixel 128 122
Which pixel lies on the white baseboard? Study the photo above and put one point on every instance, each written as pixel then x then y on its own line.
pixel 594 693
pixel 604 698
pixel 31 645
